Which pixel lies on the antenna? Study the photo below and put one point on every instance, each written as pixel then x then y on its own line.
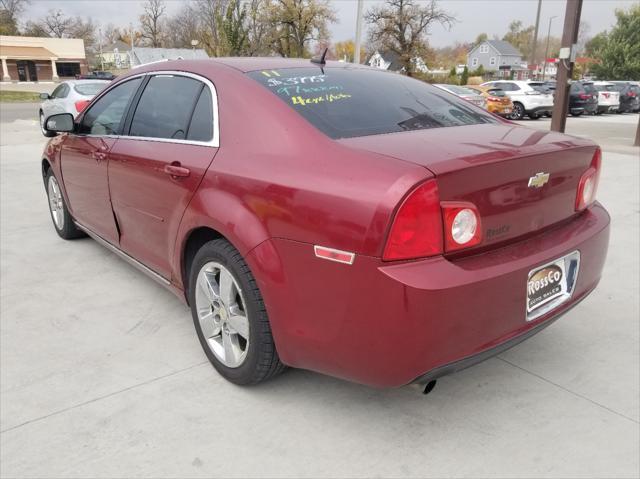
pixel 321 60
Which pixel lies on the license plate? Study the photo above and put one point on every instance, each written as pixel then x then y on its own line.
pixel 507 110
pixel 550 285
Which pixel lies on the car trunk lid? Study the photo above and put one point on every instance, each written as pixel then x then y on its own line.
pixel 501 169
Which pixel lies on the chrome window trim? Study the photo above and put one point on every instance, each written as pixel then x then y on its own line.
pixel 214 142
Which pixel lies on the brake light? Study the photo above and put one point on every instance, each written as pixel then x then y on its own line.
pixel 494 98
pixel 584 96
pixel 416 230
pixel 632 94
pixel 81 105
pixel 588 185
pixel 462 227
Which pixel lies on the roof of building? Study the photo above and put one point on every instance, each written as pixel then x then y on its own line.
pixel 142 56
pixel 119 44
pixel 69 48
pixel 503 47
pixel 32 53
pixel 390 57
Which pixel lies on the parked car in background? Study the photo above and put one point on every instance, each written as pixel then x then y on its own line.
pixel 70 96
pixel 608 97
pixel 374 228
pixel 527 100
pixel 497 101
pixel 629 96
pixel 583 98
pixel 97 75
pixel 465 93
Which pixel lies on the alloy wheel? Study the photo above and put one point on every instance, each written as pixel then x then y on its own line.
pixel 222 315
pixel 56 204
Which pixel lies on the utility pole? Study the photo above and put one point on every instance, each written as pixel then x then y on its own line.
pixel 546 50
pixel 565 64
pixel 535 36
pixel 101 57
pixel 356 53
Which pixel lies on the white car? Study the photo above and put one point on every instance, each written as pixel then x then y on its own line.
pixel 70 96
pixel 608 97
pixel 465 93
pixel 532 99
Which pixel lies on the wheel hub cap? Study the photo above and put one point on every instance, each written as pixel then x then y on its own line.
pixel 222 315
pixel 56 204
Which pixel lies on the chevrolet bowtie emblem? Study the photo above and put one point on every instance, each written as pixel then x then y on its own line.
pixel 538 180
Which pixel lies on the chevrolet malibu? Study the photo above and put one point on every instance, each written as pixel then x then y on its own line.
pixel 331 217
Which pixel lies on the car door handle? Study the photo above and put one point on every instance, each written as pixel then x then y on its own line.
pixel 176 170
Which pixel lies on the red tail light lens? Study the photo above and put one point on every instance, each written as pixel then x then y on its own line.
pixel 462 227
pixel 588 185
pixel 494 98
pixel 81 105
pixel 585 96
pixel 416 230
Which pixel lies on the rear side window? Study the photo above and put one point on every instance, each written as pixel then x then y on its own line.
pixel 61 91
pixel 165 107
pixel 541 87
pixel 346 103
pixel 496 92
pixel 201 126
pixel 89 89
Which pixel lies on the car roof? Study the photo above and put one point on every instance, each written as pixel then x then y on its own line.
pixel 248 64
pixel 80 82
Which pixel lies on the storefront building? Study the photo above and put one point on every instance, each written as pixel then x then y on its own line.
pixel 33 59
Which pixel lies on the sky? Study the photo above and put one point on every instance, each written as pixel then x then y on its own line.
pixel 474 16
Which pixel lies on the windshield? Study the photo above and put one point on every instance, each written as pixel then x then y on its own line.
pixel 89 89
pixel 605 87
pixel 459 90
pixel 345 103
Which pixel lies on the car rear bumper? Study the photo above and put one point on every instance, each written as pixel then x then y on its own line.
pixel 387 324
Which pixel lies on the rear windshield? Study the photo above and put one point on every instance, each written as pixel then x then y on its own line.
pixel 496 92
pixel 345 103
pixel 89 89
pixel 605 87
pixel 589 87
pixel 541 87
pixel 460 90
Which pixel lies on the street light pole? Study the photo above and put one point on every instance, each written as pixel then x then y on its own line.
pixel 356 54
pixel 546 50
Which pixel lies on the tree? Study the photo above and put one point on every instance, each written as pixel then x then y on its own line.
pixel 183 27
pixel 234 31
pixel 520 37
pixel 10 10
pixel 483 37
pixel 346 51
pixel 56 24
pixel 151 22
pixel 618 53
pixel 111 33
pixel 297 23
pixel 402 26
pixel 464 79
pixel 258 28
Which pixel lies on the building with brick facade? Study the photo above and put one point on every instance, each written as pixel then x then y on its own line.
pixel 32 59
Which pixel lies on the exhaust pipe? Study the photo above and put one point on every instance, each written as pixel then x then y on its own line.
pixel 429 387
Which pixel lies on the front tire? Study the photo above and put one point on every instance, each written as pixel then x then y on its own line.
pixel 230 316
pixel 60 216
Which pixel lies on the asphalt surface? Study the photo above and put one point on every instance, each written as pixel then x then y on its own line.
pixel 102 374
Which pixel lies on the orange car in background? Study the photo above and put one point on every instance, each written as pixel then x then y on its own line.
pixel 497 100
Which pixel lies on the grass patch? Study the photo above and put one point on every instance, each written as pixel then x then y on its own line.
pixel 19 96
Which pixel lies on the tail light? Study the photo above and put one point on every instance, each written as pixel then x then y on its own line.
pixel 494 98
pixel 631 94
pixel 462 227
pixel 584 96
pixel 416 230
pixel 81 105
pixel 588 185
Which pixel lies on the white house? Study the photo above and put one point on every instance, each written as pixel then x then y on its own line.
pixel 390 61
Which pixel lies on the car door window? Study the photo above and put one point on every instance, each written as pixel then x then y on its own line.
pixel 201 126
pixel 165 107
pixel 106 115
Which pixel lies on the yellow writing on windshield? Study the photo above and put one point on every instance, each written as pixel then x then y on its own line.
pixel 329 97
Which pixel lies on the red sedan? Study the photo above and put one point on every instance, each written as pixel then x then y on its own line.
pixel 333 217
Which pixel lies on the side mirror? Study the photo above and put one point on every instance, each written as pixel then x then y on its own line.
pixel 60 123
pixel 44 96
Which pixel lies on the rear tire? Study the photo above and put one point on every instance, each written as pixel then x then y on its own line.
pixel 534 116
pixel 230 316
pixel 518 111
pixel 60 216
pixel 577 113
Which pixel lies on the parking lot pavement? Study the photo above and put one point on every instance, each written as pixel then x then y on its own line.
pixel 102 374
